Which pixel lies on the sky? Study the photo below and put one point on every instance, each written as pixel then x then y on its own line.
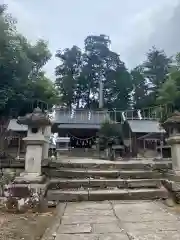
pixel 134 26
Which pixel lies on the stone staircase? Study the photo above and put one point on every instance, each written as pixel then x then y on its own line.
pixel 97 180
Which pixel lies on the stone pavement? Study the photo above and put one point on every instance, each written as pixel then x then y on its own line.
pixel 117 220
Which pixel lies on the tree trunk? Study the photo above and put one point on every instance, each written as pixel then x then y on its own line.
pixel 4 122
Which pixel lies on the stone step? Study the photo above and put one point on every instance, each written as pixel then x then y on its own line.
pixel 59 183
pixel 83 173
pixel 101 195
pixel 96 173
pixel 124 165
pixel 140 174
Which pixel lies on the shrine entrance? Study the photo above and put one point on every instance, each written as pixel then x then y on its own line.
pixel 80 138
pixel 85 142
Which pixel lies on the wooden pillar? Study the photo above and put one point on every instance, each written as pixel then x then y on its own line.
pixel 144 144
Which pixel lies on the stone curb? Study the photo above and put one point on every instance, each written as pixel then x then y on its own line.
pixel 48 235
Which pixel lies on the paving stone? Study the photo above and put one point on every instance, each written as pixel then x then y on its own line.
pixel 106 228
pixel 136 211
pixel 89 212
pixel 88 205
pixel 75 228
pixel 148 217
pixel 78 237
pixel 168 235
pixel 142 212
pixel 137 205
pixel 137 220
pixel 88 219
pixel 153 226
pixel 115 236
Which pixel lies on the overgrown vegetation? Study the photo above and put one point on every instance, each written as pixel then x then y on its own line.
pixel 109 135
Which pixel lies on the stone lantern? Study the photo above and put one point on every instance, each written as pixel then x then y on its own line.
pixel 36 144
pixel 172 126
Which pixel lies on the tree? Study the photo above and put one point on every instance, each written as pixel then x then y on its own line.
pixel 96 60
pixel 21 66
pixel 80 72
pixel 40 92
pixel 68 75
pixel 156 68
pixel 105 65
pixel 109 134
pixel 140 88
pixel 169 92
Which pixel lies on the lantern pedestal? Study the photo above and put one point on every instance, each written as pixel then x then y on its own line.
pixel 174 142
pixel 31 182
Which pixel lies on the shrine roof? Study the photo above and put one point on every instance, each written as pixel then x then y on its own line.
pixel 145 126
pixel 152 136
pixel 14 126
pixel 79 126
pixel 80 117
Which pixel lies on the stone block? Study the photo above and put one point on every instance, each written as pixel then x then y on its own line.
pixel 103 228
pixel 77 237
pixel 114 236
pixel 99 195
pixel 74 228
pixel 68 183
pixel 69 196
pixel 88 219
pixel 145 194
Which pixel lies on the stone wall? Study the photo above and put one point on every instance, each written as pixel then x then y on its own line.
pixel 80 152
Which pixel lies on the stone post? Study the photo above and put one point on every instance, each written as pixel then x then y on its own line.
pixel 172 126
pixel 47 135
pixel 174 142
pixel 62 145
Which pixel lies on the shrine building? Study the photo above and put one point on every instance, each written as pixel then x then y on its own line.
pixel 81 126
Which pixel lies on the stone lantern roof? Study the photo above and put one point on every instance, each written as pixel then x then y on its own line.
pixel 36 118
pixel 172 121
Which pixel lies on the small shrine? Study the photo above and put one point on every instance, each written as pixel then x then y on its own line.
pixel 172 126
pixel 37 144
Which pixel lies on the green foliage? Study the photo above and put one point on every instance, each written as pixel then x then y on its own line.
pixel 109 134
pixel 156 67
pixel 169 92
pixel 149 77
pixel 69 75
pixel 22 79
pixel 140 93
pixel 155 81
pixel 80 72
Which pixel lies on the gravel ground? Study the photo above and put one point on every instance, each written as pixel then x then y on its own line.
pixel 28 226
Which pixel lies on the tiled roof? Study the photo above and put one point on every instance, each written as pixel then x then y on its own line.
pixel 80 117
pixel 79 126
pixel 145 126
pixel 14 126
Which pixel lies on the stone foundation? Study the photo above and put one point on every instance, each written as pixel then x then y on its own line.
pixel 25 197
